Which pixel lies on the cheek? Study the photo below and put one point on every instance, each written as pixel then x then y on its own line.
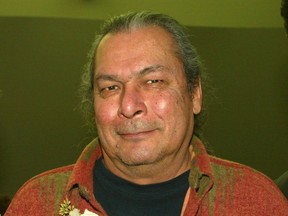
pixel 165 104
pixel 174 108
pixel 104 112
pixel 162 106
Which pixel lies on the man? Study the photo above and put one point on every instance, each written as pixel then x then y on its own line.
pixel 282 181
pixel 144 82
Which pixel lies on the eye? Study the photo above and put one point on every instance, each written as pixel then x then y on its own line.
pixel 107 91
pixel 154 81
pixel 109 88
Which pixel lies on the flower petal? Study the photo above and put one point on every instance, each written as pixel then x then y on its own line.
pixel 89 213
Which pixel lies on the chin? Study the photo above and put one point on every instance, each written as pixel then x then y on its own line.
pixel 140 160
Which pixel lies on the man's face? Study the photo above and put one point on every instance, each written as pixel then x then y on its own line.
pixel 144 112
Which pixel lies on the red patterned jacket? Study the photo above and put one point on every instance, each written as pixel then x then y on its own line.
pixel 217 187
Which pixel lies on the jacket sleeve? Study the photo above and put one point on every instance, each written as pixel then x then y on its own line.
pixel 258 195
pixel 40 195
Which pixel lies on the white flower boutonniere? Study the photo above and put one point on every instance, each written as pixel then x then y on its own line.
pixel 89 213
pixel 75 212
pixel 67 209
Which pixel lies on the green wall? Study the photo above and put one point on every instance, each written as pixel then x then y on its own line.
pixel 41 127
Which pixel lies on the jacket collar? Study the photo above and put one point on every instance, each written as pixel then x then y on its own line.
pixel 200 178
pixel 82 174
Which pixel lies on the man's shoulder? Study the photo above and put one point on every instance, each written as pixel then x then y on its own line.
pixel 221 163
pixel 241 190
pixel 55 174
pixel 54 178
pixel 49 185
pixel 57 177
pixel 245 181
pixel 222 168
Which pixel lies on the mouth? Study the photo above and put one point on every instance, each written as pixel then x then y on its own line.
pixel 129 135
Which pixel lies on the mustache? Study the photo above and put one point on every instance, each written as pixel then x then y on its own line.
pixel 137 126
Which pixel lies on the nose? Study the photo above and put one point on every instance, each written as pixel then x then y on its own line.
pixel 132 103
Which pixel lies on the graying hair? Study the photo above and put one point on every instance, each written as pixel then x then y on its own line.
pixel 135 20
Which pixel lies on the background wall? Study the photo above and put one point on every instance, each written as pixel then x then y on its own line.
pixel 41 59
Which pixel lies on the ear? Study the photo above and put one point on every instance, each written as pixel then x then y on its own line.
pixel 197 99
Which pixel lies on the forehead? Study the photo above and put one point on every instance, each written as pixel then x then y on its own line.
pixel 150 43
pixel 136 38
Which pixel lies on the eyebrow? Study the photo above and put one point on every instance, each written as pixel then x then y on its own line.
pixel 107 77
pixel 150 69
pixel 142 72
